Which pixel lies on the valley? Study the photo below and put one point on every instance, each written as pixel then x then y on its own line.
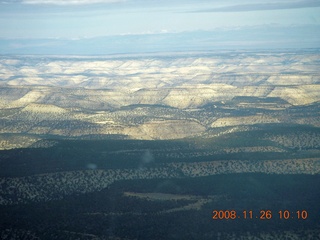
pixel 100 147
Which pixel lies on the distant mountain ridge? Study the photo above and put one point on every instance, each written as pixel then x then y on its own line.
pixel 278 37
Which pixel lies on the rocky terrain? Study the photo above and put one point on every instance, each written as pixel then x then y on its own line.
pixel 154 97
pixel 100 147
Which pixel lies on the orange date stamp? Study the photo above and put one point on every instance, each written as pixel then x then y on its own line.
pixel 261 215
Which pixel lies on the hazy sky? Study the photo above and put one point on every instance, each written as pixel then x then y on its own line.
pixel 77 19
pixel 90 18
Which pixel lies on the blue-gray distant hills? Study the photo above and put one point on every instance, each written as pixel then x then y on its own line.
pixel 262 37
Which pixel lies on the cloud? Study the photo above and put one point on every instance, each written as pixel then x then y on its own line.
pixel 264 6
pixel 69 2
pixel 9 1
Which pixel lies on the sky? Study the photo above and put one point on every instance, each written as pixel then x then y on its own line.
pixel 45 26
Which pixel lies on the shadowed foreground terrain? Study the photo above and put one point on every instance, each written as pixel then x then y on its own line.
pixel 190 146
